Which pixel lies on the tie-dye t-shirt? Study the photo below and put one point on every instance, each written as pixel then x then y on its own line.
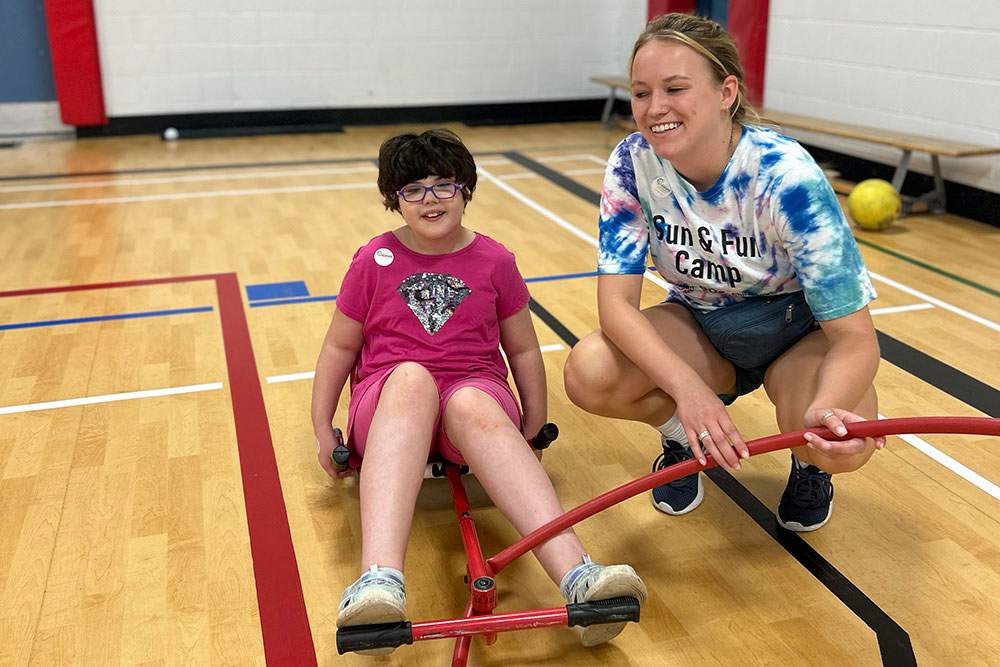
pixel 442 311
pixel 771 224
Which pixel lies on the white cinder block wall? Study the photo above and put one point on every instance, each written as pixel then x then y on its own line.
pixel 189 56
pixel 922 66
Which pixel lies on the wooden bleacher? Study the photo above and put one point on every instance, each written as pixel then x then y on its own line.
pixel 614 84
pixel 906 142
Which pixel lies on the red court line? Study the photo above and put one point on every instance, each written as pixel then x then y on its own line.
pixel 283 619
pixel 124 283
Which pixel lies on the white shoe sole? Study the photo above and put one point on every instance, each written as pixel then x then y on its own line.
pixel 667 509
pixel 797 527
pixel 615 581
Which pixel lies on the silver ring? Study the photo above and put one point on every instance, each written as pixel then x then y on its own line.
pixel 704 434
pixel 826 415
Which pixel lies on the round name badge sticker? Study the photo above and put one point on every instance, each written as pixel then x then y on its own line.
pixel 384 257
pixel 660 188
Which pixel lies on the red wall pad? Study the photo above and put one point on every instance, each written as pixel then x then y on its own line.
pixel 748 26
pixel 659 7
pixel 76 67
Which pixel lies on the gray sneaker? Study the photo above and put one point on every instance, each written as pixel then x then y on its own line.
pixel 378 596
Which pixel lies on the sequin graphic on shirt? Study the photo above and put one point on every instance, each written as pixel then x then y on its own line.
pixel 433 297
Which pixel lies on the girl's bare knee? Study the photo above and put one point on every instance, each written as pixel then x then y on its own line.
pixel 412 381
pixel 586 386
pixel 411 372
pixel 470 405
pixel 472 411
pixel 835 464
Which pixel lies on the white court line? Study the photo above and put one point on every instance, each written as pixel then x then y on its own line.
pixel 937 302
pixel 567 158
pixel 598 160
pixel 186 195
pixel 901 309
pixel 308 375
pixel 951 464
pixel 108 398
pixel 568 226
pixel 579 172
pixel 186 179
pixel 509 177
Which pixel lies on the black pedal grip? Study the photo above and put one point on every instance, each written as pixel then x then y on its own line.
pixel 376 635
pixel 612 610
pixel 545 436
pixel 341 454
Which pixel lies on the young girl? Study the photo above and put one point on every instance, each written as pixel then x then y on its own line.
pixel 767 284
pixel 421 315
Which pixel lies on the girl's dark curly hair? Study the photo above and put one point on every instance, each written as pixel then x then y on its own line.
pixel 407 158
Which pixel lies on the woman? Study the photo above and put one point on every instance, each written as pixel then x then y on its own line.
pixel 766 282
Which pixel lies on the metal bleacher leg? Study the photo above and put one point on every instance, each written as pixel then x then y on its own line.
pixel 608 106
pixel 899 176
pixel 937 203
pixel 901 168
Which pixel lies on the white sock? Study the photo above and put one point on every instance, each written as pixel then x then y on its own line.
pixel 673 430
pixel 799 463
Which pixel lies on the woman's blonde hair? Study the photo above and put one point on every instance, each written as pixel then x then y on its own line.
pixel 712 42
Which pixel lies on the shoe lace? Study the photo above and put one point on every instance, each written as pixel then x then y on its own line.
pixel 375 577
pixel 673 452
pixel 581 578
pixel 811 489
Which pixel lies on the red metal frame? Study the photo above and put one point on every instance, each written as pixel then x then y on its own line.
pixel 478 618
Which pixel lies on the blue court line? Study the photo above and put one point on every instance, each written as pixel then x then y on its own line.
pixel 273 291
pixel 102 318
pixel 281 302
pixel 563 276
pixel 589 274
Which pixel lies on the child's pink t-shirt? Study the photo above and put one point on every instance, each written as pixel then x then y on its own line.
pixel 441 311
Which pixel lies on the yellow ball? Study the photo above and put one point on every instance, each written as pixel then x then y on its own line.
pixel 873 204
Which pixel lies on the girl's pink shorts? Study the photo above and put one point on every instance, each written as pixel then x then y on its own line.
pixel 363 409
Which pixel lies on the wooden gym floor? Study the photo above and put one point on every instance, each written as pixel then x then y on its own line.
pixel 162 504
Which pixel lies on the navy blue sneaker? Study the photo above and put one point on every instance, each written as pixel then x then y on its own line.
pixel 681 495
pixel 807 501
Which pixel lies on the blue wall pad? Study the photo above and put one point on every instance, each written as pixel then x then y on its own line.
pixel 277 290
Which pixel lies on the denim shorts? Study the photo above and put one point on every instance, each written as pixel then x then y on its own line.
pixel 752 333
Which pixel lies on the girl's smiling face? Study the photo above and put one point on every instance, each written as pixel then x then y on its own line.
pixel 678 105
pixel 434 222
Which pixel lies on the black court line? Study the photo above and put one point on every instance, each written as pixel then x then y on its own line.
pixel 563 181
pixel 893 642
pixel 965 388
pixel 552 323
pixel 257 165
